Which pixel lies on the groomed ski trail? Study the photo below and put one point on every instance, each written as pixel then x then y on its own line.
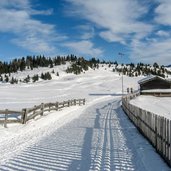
pixel 100 139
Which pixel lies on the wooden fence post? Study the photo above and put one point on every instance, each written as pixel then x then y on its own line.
pixel 156 131
pixel 75 102
pixel 57 106
pixel 161 134
pixel 22 117
pixel 49 107
pixel 170 144
pixel 34 110
pixel 6 118
pixel 42 109
pixel 24 120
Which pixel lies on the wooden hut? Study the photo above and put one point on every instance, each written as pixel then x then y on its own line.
pixel 155 85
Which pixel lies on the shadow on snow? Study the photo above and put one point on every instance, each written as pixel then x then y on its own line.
pixel 100 139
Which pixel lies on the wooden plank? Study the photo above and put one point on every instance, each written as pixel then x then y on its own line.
pixel 32 116
pixel 10 111
pixel 61 103
pixel 57 105
pixel 53 108
pixel 170 142
pixel 75 101
pixel 42 109
pixel 6 118
pixel 161 135
pixel 24 116
pixel 25 113
pixel 164 138
pixel 2 121
pixel 157 129
pixel 168 145
pixel 13 121
pixel 29 110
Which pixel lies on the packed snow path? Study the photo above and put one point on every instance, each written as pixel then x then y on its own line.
pixel 101 138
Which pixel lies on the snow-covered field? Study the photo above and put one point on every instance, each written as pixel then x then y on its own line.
pixel 93 85
pixel 97 136
pixel 158 105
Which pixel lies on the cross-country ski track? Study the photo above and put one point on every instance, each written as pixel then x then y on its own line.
pixel 101 137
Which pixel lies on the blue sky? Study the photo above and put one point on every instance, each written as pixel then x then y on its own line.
pixel 141 30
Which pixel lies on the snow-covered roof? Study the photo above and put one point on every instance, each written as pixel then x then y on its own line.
pixel 151 77
pixel 157 91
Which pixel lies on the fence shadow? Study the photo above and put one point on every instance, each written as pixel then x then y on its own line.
pixel 100 139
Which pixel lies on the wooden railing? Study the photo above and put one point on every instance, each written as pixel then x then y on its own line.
pixel 30 113
pixel 157 129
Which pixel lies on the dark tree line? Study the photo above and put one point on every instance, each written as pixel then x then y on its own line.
pixel 78 65
pixel 142 69
pixel 31 62
pixel 81 65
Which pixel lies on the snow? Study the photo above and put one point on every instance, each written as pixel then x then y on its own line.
pixel 157 105
pixel 157 91
pixel 97 136
pixel 67 86
pixel 151 77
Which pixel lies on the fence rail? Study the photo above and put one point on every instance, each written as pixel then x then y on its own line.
pixel 30 113
pixel 155 128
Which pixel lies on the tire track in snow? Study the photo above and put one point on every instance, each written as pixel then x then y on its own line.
pixel 105 165
pixel 111 151
pixel 104 151
pixel 100 139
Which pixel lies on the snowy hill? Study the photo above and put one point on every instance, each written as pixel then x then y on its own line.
pixel 33 69
pixel 92 85
pixel 97 136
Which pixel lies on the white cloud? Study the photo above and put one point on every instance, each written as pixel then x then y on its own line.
pixel 122 21
pixel 152 51
pixel 35 44
pixel 163 12
pixel 31 34
pixel 113 37
pixel 162 33
pixel 118 18
pixel 86 31
pixel 24 4
pixel 84 47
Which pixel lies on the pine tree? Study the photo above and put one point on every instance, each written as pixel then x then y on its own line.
pixel 6 79
pixel 27 79
pixel 42 76
pixel 1 78
pixel 35 78
pixel 48 76
pixel 12 80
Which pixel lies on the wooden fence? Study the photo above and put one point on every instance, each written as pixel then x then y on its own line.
pixel 155 128
pixel 30 113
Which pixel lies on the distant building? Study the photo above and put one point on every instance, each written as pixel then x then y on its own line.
pixel 155 85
